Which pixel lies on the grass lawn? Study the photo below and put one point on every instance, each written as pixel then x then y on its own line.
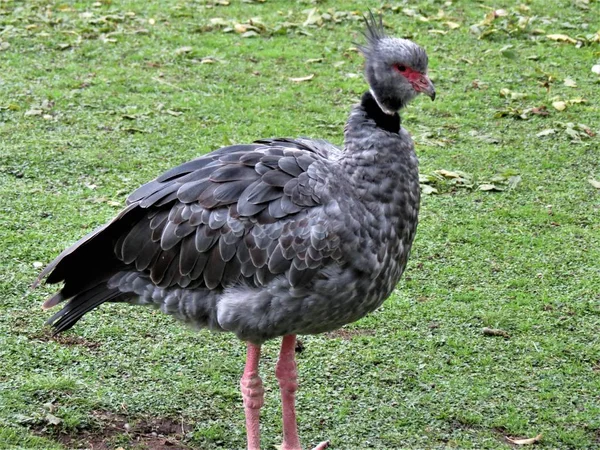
pixel 97 98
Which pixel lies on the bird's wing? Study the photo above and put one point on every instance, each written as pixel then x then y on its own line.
pixel 242 214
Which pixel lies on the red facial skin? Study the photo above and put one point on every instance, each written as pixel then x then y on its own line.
pixel 419 81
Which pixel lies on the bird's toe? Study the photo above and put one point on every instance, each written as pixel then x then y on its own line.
pixel 322 446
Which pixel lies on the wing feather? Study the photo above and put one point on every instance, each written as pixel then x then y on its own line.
pixel 242 213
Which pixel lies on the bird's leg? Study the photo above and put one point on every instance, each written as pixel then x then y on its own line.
pixel 253 395
pixel 287 376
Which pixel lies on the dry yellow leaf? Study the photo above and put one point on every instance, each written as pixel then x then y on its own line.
pixel 594 183
pixel 240 28
pixel 562 38
pixel 447 173
pixel 452 25
pixel 570 82
pixel 300 79
pixel 559 106
pixel 528 441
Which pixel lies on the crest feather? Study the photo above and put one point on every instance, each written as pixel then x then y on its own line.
pixel 374 32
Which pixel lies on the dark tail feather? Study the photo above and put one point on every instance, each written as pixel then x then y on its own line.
pixel 91 260
pixel 81 304
pixel 53 301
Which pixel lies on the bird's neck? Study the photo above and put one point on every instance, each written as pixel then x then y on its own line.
pixel 379 160
pixel 386 120
pixel 375 145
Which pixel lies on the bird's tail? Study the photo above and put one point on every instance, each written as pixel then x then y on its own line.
pixel 85 269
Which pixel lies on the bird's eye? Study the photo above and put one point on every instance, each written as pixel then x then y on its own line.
pixel 401 68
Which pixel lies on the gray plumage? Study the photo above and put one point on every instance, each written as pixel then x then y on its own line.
pixel 278 237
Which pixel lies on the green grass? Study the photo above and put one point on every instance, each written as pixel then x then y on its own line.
pixel 93 105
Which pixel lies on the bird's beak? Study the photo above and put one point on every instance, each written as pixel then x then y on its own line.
pixel 426 87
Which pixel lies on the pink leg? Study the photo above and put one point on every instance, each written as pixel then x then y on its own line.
pixel 287 376
pixel 253 395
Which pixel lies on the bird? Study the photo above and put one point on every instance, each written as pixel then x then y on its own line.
pixel 273 239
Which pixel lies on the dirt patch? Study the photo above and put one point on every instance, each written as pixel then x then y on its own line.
pixel 348 333
pixel 45 335
pixel 115 430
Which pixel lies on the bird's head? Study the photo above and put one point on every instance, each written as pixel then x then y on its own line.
pixel 396 69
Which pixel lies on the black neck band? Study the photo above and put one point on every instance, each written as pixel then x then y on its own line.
pixel 385 121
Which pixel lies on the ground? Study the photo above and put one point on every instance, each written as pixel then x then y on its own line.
pixel 97 98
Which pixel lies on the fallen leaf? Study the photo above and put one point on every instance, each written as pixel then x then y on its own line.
pixel 183 50
pixel 540 110
pixel 560 106
pixel 587 130
pixel 494 332
pixel 529 441
pixel 300 79
pixel 562 38
pixel 314 18
pixel 249 34
pixel 452 25
pixel 33 112
pixel 173 113
pixel 428 190
pixel 52 419
pixel 240 28
pixel 570 82
pixel 218 22
pixel 447 173
pixel 485 137
pixel 596 69
pixel 593 182
pixel 39 265
pixel 4 45
pixel 489 187
pixel 547 132
pixel 314 60
pixel 424 178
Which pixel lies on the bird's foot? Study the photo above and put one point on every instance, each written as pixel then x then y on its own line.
pixel 322 446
